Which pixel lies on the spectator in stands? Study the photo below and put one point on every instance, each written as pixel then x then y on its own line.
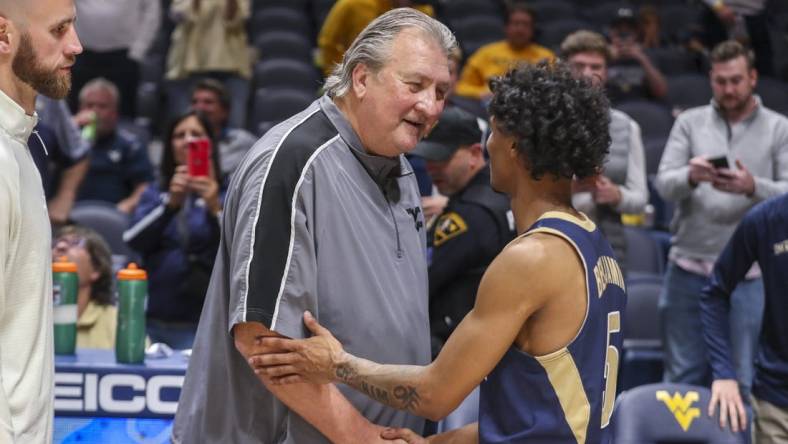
pixel 621 185
pixel 494 59
pixel 212 100
pixel 649 28
pixel 176 231
pixel 209 40
pixel 631 73
pixel 97 316
pixel 720 160
pixel 745 21
pixel 116 36
pixel 62 160
pixel 761 237
pixel 119 167
pixel 346 20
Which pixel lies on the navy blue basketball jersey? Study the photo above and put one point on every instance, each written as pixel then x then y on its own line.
pixel 566 396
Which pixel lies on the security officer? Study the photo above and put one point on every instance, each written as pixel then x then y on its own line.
pixel 473 228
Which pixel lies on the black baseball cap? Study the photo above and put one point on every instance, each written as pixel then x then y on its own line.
pixel 624 16
pixel 455 128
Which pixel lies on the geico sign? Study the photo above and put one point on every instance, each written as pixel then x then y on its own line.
pixel 91 392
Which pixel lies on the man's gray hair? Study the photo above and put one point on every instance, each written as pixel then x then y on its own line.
pixel 373 46
pixel 98 84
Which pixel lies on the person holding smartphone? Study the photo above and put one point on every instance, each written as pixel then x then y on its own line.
pixel 176 230
pixel 631 73
pixel 711 198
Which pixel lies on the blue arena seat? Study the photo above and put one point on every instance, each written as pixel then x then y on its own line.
pixel 653 147
pixel 641 357
pixel 552 10
pixel 774 93
pixel 672 61
pixel 600 13
pixel 108 221
pixel 641 326
pixel 300 5
pixel 284 44
pixel 280 19
pixel 459 9
pixel 551 34
pixel 152 67
pixel 273 105
pixel 475 31
pixel 149 101
pixel 688 90
pixel 643 251
pixel 663 209
pixel 654 118
pixel 288 73
pixel 677 19
pixel 318 10
pixel 665 414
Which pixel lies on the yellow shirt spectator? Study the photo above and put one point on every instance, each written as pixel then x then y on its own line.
pixel 345 21
pixel 96 326
pixel 97 317
pixel 206 39
pixel 494 60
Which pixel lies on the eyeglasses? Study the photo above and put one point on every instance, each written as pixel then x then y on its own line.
pixel 71 241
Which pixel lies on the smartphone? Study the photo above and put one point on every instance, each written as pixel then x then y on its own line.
pixel 719 162
pixel 199 157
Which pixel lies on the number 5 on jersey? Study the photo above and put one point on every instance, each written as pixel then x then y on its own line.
pixel 611 368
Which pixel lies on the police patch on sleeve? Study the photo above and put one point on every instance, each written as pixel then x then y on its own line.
pixel 449 226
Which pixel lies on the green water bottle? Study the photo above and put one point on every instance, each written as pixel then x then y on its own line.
pixel 65 284
pixel 132 295
pixel 89 130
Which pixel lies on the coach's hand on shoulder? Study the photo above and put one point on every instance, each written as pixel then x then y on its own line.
pixel 726 393
pixel 316 359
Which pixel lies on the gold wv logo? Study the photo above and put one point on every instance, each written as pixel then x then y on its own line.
pixel 680 406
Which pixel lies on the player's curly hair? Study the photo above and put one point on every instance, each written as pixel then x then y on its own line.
pixel 560 122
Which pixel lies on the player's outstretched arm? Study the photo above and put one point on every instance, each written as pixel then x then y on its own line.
pixel 503 304
pixel 323 406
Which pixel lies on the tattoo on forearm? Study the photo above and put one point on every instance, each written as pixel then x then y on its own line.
pixel 408 395
pixel 346 373
pixel 376 393
pixel 403 397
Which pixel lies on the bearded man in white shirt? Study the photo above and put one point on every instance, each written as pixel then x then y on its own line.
pixel 38 45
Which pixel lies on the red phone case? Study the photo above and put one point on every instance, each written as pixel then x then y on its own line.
pixel 199 159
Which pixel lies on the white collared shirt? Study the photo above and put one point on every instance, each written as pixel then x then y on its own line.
pixel 26 343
